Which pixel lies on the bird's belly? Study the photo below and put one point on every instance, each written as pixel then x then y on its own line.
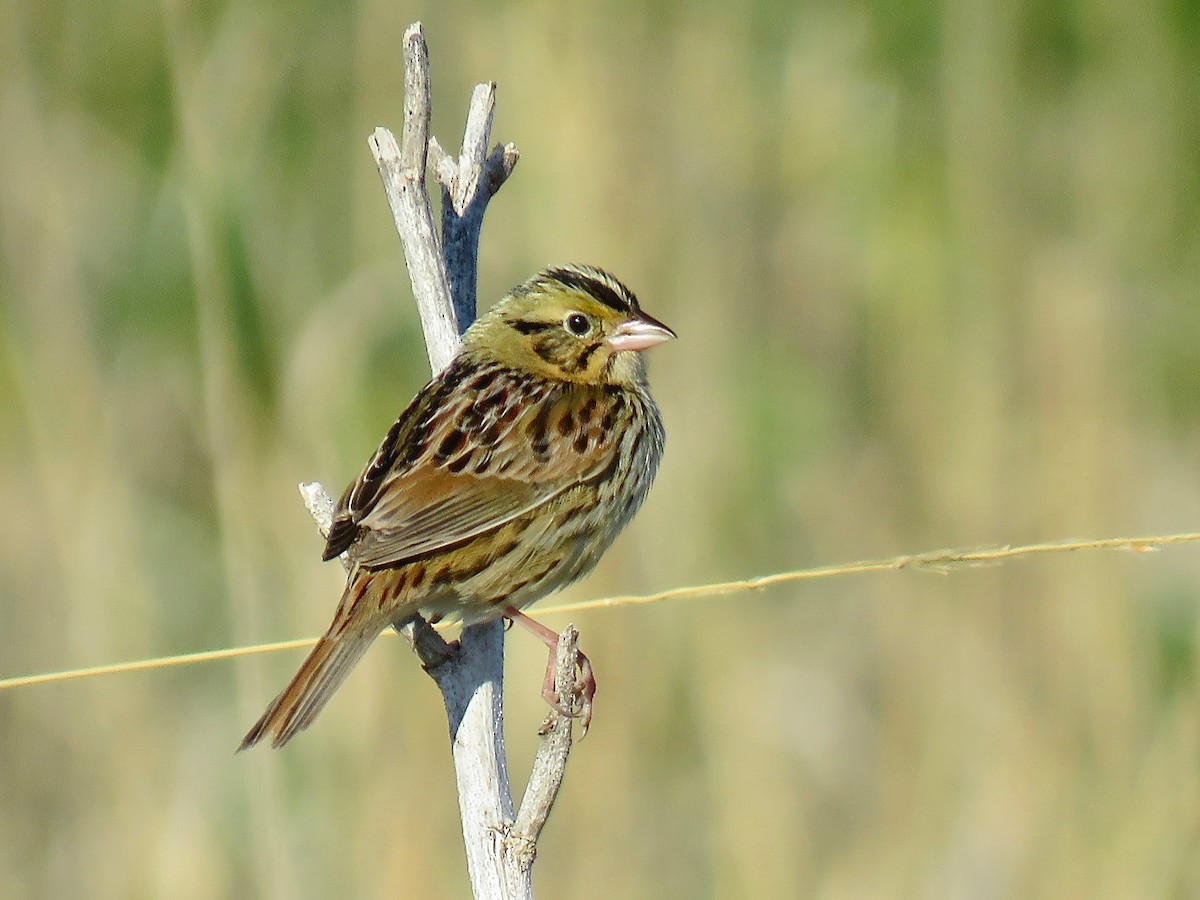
pixel 544 550
pixel 529 560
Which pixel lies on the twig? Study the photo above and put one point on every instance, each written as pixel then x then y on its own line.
pixel 443 274
pixel 403 174
pixel 468 184
pixel 550 763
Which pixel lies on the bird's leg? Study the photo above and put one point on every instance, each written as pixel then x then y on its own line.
pixel 587 680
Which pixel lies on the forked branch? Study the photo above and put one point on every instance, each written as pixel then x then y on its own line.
pixel 501 844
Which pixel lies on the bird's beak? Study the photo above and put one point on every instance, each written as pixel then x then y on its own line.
pixel 640 333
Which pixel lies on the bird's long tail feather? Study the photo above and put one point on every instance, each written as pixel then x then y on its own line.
pixel 319 676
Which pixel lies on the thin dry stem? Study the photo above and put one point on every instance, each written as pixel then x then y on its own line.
pixel 550 763
pixel 941 562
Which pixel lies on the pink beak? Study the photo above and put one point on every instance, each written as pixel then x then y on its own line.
pixel 641 333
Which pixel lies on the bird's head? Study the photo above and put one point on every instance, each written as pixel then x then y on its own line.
pixel 574 323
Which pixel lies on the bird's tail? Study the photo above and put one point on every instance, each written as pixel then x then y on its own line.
pixel 319 676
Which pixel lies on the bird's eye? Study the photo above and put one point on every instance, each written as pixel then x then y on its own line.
pixel 577 324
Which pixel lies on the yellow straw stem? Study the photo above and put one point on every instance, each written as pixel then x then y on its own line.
pixel 939 561
pixel 161 662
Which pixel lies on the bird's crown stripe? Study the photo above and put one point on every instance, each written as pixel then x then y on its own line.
pixel 596 284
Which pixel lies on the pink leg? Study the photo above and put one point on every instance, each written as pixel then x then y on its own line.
pixel 587 680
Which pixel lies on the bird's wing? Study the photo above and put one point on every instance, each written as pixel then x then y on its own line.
pixel 437 510
pixel 469 455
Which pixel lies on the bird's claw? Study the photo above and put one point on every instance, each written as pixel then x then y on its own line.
pixel 582 693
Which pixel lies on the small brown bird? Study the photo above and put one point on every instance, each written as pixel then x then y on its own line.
pixel 505 479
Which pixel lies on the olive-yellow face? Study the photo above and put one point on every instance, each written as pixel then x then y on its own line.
pixel 571 324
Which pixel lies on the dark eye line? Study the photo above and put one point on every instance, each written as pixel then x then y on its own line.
pixel 526 327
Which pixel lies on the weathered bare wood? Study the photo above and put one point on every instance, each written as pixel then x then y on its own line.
pixel 550 763
pixel 501 845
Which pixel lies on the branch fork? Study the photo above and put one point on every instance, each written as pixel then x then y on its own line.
pixel 501 842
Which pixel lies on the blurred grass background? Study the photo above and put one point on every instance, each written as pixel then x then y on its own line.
pixel 934 268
